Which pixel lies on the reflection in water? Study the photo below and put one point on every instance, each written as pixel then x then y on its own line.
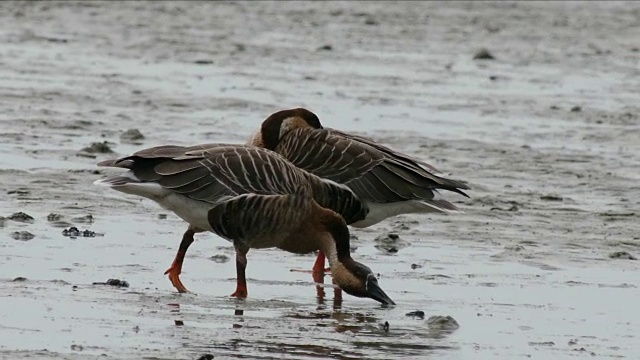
pixel 318 278
pixel 240 314
pixel 174 308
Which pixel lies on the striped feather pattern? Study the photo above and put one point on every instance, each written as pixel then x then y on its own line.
pixel 374 172
pixel 221 174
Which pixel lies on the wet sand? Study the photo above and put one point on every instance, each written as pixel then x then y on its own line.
pixel 539 266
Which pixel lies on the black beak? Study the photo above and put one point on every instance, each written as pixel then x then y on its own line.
pixel 374 291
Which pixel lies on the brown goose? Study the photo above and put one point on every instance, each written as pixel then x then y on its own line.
pixel 389 182
pixel 254 198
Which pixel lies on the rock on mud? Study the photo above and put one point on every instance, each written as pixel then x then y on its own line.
pixel 21 217
pixel 114 282
pixel 73 233
pixel 443 323
pixel 390 243
pixel 56 221
pixel 622 255
pixel 220 258
pixel 22 235
pixel 483 54
pixel 206 357
pixel 416 314
pixel 98 148
pixel 54 217
pixel 551 198
pixel 132 136
pixel 86 219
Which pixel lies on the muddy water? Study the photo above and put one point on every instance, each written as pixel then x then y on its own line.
pixel 540 265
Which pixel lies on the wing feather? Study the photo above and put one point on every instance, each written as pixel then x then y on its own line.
pixel 374 172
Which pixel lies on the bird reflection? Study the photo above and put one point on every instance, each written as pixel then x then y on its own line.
pixel 318 278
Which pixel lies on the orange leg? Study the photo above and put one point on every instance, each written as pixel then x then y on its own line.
pixel 176 267
pixel 241 265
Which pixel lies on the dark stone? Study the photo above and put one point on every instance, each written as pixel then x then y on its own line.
pixel 418 313
pixel 22 235
pixel 114 282
pixel 483 54
pixel 98 148
pixel 622 255
pixel 21 217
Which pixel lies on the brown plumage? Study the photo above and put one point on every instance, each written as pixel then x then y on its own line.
pixel 252 197
pixel 390 182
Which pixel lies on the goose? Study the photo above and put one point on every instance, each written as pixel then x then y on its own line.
pixel 389 182
pixel 253 198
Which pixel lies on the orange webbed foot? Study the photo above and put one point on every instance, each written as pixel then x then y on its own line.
pixel 174 276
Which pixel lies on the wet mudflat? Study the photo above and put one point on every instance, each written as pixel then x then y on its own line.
pixel 541 265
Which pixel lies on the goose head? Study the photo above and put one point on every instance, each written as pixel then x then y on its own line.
pixel 358 280
pixel 280 123
pixel 351 276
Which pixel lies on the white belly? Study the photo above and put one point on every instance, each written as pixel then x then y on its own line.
pixel 380 211
pixel 192 211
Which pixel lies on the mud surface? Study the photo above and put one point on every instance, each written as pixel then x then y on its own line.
pixel 547 133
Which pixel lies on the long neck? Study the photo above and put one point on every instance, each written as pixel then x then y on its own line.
pixel 335 241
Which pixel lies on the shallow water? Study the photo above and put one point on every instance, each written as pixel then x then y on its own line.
pixel 526 272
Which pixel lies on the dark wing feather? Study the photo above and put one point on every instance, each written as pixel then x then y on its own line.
pixel 375 173
pixel 251 217
pixel 211 172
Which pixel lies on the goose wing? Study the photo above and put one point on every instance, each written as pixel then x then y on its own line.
pixel 252 220
pixel 375 173
pixel 211 172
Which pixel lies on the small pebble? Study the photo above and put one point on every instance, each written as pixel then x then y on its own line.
pixel 21 217
pixel 98 147
pixel 418 313
pixel 206 357
pixel 22 235
pixel 390 243
pixel 551 198
pixel 179 322
pixel 622 255
pixel 20 279
pixel 162 216
pixel 326 47
pixel 114 282
pixel 483 54
pixel 18 192
pixel 86 219
pixel 220 258
pixel 415 266
pixel 131 136
pixel 73 233
pixel 442 323
pixel 371 21
pixel 576 109
pixel 54 217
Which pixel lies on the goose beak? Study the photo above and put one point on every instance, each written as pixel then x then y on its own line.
pixel 374 291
